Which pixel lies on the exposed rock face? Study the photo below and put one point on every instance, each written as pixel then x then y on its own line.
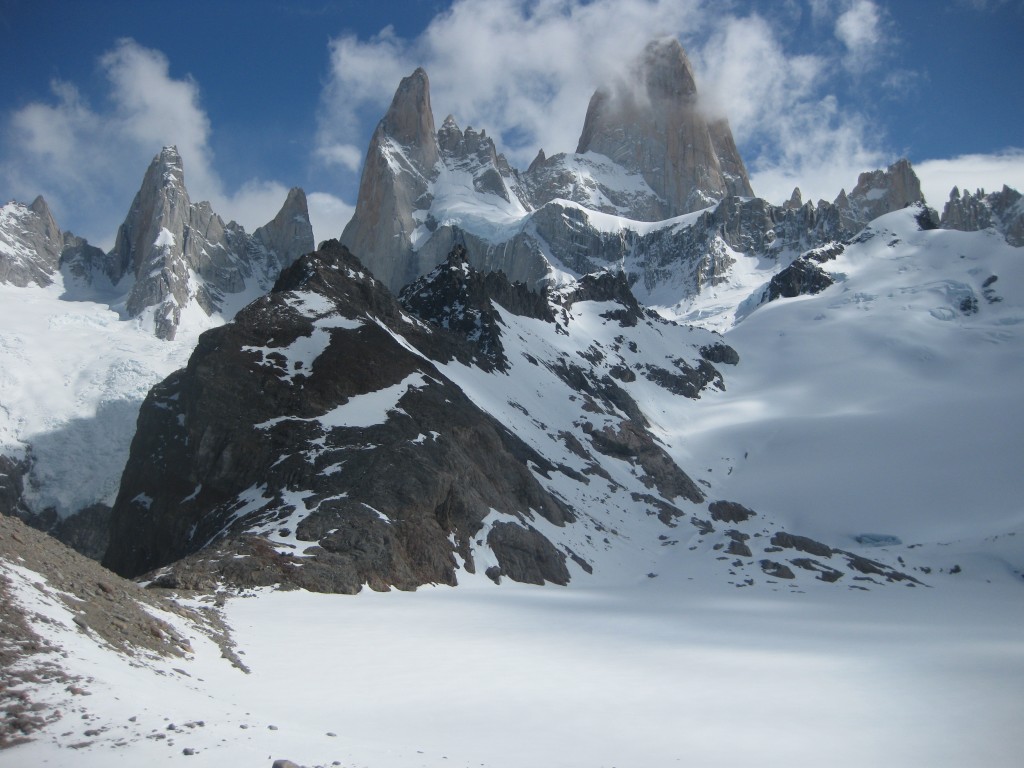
pixel 289 234
pixel 1003 210
pixel 646 154
pixel 12 487
pixel 400 163
pixel 458 298
pixel 410 213
pixel 801 277
pixel 30 243
pixel 653 126
pixel 178 252
pixel 881 192
pixel 474 153
pixel 250 438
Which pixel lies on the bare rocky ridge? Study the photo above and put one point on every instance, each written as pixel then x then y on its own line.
pixel 242 442
pixel 106 609
pixel 170 253
pixel 178 252
pixel 646 153
pixel 1002 211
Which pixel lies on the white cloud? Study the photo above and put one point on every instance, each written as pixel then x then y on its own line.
pixel 970 172
pixel 860 29
pixel 345 155
pixel 525 71
pixel 88 163
pixel 152 109
pixel 328 215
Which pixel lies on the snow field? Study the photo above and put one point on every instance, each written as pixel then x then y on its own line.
pixel 652 674
pixel 862 409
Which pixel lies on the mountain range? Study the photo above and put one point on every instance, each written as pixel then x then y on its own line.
pixel 616 366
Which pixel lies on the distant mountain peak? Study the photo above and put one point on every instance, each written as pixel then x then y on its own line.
pixel 30 243
pixel 666 71
pixel 650 123
pixel 410 120
pixel 180 253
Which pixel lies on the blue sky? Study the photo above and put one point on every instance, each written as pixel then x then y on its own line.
pixel 266 94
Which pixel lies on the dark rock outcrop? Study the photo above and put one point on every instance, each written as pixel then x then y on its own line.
pixel 720 353
pixel 730 512
pixel 525 555
pixel 801 543
pixel 801 277
pixel 630 442
pixel 250 439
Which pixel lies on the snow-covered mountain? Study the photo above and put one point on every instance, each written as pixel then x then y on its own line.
pixel 770 449
pixel 84 334
pixel 654 189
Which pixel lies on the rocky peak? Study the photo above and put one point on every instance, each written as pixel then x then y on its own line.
pixel 1003 210
pixel 288 235
pixel 400 163
pixel 30 243
pixel 476 154
pixel 47 224
pixel 410 122
pixel 666 71
pixel 162 203
pixel 650 122
pixel 538 161
pixel 167 241
pixel 880 192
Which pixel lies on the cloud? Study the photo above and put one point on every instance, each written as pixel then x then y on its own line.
pixel 328 215
pixel 970 172
pixel 152 110
pixel 88 163
pixel 859 29
pixel 345 155
pixel 525 71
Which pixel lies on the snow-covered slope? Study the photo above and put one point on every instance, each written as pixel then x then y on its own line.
pixel 659 672
pixel 79 327
pixel 889 403
pixel 72 377
pixel 879 417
